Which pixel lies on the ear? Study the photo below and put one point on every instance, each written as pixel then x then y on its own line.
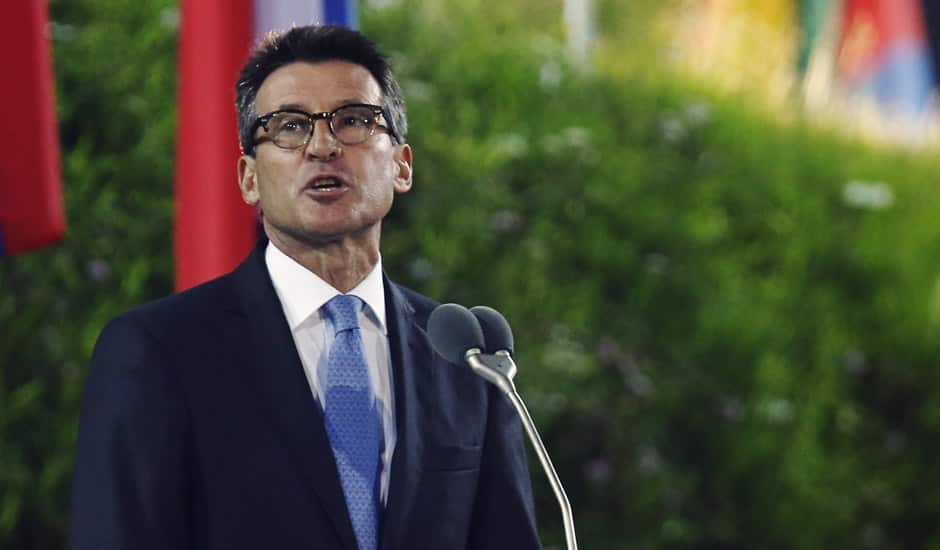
pixel 248 180
pixel 403 167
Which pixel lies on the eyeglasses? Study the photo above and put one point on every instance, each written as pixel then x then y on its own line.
pixel 292 129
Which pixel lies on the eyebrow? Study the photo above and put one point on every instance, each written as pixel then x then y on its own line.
pixel 291 106
pixel 340 103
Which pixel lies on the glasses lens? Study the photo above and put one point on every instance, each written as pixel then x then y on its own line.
pixel 289 130
pixel 353 124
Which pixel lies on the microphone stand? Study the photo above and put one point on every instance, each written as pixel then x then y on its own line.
pixel 499 369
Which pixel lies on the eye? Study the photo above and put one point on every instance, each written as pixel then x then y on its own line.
pixel 350 121
pixel 290 124
pixel 353 117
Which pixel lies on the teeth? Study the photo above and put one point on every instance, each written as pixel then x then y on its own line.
pixel 329 182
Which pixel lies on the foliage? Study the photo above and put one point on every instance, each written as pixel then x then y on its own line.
pixel 114 68
pixel 726 328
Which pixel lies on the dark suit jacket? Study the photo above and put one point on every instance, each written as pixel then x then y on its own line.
pixel 199 431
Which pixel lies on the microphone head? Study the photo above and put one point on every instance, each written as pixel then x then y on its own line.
pixel 452 330
pixel 496 331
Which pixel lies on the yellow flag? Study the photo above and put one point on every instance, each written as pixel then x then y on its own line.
pixel 740 44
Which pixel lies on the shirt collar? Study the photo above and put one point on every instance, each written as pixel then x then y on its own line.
pixel 303 293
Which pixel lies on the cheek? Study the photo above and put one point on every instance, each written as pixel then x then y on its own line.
pixel 383 170
pixel 271 179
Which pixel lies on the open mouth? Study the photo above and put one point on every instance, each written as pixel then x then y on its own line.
pixel 326 184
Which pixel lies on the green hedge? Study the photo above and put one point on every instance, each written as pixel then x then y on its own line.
pixel 726 326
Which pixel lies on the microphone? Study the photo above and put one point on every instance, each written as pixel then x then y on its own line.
pixel 457 335
pixel 496 332
pixel 461 336
pixel 454 332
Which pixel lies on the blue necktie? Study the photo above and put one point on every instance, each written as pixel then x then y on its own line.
pixel 352 422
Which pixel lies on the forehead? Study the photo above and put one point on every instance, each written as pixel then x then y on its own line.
pixel 321 86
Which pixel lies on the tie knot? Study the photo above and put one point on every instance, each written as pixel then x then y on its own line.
pixel 343 312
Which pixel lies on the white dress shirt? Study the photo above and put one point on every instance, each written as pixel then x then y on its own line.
pixel 302 294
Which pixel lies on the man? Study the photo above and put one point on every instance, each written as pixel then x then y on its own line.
pixel 296 402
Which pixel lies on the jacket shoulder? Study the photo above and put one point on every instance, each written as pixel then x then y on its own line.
pixel 190 311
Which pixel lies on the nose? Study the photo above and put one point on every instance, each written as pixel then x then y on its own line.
pixel 322 144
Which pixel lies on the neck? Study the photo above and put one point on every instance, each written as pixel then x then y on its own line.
pixel 342 263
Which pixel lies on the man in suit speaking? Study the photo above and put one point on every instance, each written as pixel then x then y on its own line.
pixel 296 402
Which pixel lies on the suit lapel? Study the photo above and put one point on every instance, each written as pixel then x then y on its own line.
pixel 274 370
pixel 411 361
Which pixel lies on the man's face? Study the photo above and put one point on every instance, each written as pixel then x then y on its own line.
pixel 325 191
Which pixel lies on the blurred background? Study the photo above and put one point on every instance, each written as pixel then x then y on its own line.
pixel 713 225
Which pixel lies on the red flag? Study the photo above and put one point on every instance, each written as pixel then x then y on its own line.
pixel 31 210
pixel 214 228
pixel 884 54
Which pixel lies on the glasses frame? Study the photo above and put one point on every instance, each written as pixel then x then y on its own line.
pixel 262 122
